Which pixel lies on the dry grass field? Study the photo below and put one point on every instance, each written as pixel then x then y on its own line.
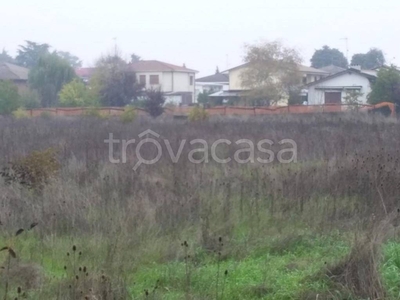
pixel 76 226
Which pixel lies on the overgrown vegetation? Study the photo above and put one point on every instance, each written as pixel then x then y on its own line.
pixel 76 94
pixel 386 88
pixel 129 115
pixel 198 113
pixel 9 98
pixel 48 77
pixel 114 82
pixel 323 228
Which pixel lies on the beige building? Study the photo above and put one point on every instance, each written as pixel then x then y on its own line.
pixel 308 74
pixel 235 92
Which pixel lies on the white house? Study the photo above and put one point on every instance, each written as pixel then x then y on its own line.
pixel 212 84
pixel 334 88
pixel 178 83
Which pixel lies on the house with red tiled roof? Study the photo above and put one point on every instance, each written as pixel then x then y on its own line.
pixel 177 82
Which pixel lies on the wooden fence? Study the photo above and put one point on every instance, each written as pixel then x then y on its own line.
pixel 220 110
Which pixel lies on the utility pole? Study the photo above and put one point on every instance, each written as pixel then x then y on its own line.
pixel 115 46
pixel 347 48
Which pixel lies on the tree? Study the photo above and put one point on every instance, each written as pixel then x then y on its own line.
pixel 76 93
pixel 386 87
pixel 295 97
pixel 9 98
pixel 352 99
pixel 115 82
pixel 271 72
pixel 373 58
pixel 5 57
pixel 73 60
pixel 48 77
pixel 154 102
pixel 204 97
pixel 328 56
pixel 135 58
pixel 29 55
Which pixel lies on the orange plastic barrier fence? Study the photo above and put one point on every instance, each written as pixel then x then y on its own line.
pixel 223 110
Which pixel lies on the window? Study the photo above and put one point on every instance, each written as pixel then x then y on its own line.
pixel 142 79
pixel 154 79
pixel 191 80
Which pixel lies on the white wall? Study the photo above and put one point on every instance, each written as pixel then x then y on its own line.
pixel 317 96
pixel 148 86
pixel 171 82
pixel 167 81
pixel 173 99
pixel 182 82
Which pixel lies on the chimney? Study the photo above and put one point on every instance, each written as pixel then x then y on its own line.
pixel 184 65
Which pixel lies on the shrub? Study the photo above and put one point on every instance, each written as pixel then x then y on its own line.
pixel 129 115
pixel 46 115
pixel 198 114
pixel 33 170
pixel 20 113
pixel 154 102
pixel 93 112
pixel 352 99
pixel 9 98
pixel 75 94
pixel 30 99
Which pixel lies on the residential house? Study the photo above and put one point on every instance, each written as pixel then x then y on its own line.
pixel 178 83
pixel 16 74
pixel 212 84
pixel 334 88
pixel 236 87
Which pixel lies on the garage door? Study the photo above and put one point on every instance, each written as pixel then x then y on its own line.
pixel 333 97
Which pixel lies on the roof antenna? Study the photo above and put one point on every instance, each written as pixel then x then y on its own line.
pixel 347 49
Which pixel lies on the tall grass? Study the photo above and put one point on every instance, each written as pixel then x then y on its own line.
pixel 346 181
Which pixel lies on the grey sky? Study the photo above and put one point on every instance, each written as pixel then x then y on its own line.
pixel 202 34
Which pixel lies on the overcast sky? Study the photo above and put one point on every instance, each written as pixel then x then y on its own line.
pixel 202 34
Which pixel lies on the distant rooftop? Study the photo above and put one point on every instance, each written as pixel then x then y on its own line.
pixel 332 69
pixel 13 72
pixel 307 69
pixel 140 66
pixel 157 66
pixel 218 77
pixel 84 72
